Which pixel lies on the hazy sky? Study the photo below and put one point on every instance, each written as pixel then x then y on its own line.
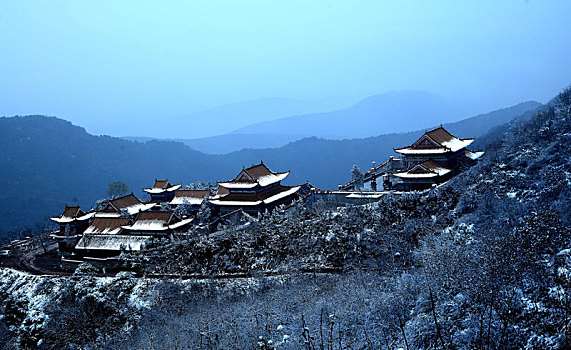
pixel 105 64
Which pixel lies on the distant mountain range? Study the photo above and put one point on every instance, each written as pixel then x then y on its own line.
pixel 384 113
pixel 376 115
pixel 223 144
pixel 48 162
pixel 226 118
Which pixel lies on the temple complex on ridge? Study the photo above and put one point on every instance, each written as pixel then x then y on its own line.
pixel 254 190
pixel 128 224
pixel 434 158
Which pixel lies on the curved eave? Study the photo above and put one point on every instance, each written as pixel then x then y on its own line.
pixel 161 190
pixel 180 224
pixel 60 220
pixel 54 236
pixel 67 220
pixel 408 150
pixel 235 203
pixel 416 176
pixel 457 144
pixel 237 185
pixel 272 179
pixel 474 155
pixel 281 195
pixel 145 229
pixel 185 200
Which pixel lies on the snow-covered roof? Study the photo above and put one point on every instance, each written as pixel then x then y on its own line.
pixel 71 214
pixel 180 224
pixel 147 225
pixel 281 195
pixel 262 181
pixel 190 197
pixel 151 221
pixel 426 169
pixel 106 225
pixel 156 221
pixel 193 197
pixel 373 195
pixel 139 207
pixel 112 242
pixel 235 203
pixel 56 236
pixel 189 200
pixel 474 155
pixel 67 219
pixel 230 184
pixel 155 190
pixel 416 176
pixel 408 150
pixel 256 175
pixel 255 198
pixel 105 214
pixel 272 178
pixel 436 141
pixel 457 144
pixel 161 186
pixel 129 202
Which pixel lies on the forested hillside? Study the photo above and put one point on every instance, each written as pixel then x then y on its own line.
pixel 48 162
pixel 482 262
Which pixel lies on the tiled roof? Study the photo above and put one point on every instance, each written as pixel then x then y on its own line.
pixel 125 201
pixel 192 197
pixel 72 212
pixel 259 170
pixel 222 191
pixel 437 140
pixel 112 242
pixel 162 184
pixel 106 225
pixel 192 193
pixel 426 169
pixel 440 135
pixel 163 216
pixel 255 198
pixel 156 221
pixel 256 175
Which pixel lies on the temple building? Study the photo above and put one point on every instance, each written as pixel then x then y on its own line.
pixel 73 220
pixel 72 223
pixel 129 204
pixel 103 247
pixel 422 176
pixel 254 190
pixel 440 146
pixel 162 191
pixel 107 226
pixel 434 158
pixel 105 238
pixel 157 224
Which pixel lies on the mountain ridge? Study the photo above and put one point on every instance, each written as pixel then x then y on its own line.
pixel 49 162
pixel 374 115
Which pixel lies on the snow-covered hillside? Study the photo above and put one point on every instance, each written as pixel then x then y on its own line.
pixel 482 262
